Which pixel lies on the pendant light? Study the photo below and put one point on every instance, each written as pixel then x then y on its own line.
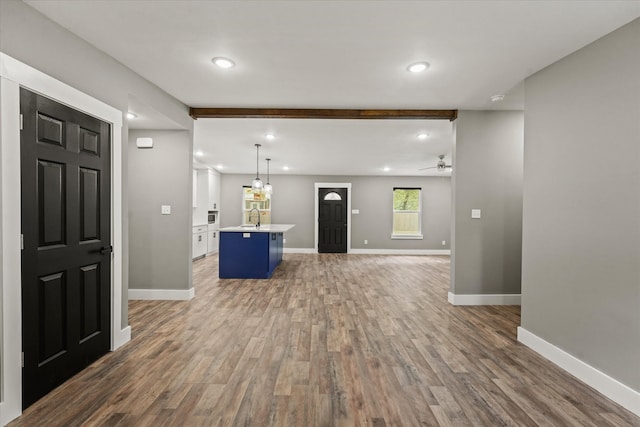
pixel 268 188
pixel 256 184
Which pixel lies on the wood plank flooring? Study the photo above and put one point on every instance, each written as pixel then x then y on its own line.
pixel 329 340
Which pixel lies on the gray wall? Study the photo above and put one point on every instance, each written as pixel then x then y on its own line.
pixel 581 240
pixel 30 37
pixel 293 201
pixel 160 245
pixel 487 175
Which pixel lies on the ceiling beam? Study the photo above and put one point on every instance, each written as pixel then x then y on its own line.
pixel 319 113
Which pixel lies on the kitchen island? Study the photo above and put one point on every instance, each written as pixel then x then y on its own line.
pixel 250 252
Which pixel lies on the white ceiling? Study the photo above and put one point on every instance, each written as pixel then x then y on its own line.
pixel 336 54
pixel 324 147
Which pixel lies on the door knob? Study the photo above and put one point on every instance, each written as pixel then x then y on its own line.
pixel 106 250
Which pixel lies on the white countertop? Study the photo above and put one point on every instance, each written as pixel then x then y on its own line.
pixel 267 228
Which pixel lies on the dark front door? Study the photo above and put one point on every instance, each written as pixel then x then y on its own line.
pixel 332 220
pixel 66 260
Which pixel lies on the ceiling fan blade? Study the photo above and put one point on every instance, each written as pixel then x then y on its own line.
pixel 432 167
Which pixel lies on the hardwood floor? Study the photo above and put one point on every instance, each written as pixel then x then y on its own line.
pixel 329 340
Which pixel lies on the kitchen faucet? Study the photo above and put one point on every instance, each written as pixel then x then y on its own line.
pixel 251 212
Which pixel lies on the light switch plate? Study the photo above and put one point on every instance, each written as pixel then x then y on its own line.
pixel 476 213
pixel 355 211
pixel 166 209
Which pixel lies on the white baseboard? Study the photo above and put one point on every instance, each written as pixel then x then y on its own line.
pixel 375 251
pixel 162 294
pixel 610 387
pixel 400 251
pixel 121 338
pixel 299 251
pixel 484 299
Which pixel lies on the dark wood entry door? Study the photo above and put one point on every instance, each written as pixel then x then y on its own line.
pixel 332 220
pixel 66 256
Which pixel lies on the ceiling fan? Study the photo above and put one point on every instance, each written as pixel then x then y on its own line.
pixel 441 165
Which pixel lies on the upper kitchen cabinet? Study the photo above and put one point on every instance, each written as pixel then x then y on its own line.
pixel 214 191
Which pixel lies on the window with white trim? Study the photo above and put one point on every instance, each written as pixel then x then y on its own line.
pixel 407 213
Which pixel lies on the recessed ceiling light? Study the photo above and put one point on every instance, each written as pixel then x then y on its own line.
pixel 199 153
pixel 223 62
pixel 285 168
pixel 497 98
pixel 131 115
pixel 418 67
pixel 386 169
pixel 270 136
pixel 219 166
pixel 423 135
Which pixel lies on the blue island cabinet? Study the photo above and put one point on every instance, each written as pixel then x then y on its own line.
pixel 249 254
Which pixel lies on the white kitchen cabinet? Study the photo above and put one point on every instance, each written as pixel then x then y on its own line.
pixel 214 191
pixel 199 241
pixel 213 237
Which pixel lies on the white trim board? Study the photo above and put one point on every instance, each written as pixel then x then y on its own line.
pixel 162 294
pixel 484 299
pixel 13 75
pixel 375 251
pixel 122 338
pixel 299 251
pixel 10 257
pixel 401 251
pixel 603 383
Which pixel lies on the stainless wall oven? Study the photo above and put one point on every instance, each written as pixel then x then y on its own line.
pixel 212 217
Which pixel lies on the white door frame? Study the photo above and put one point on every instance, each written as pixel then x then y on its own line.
pixel 318 186
pixel 13 75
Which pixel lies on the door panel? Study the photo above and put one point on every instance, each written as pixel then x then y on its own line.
pixel 90 301
pixel 338 212
pixel 50 203
pixel 332 220
pixel 89 204
pixel 66 282
pixel 89 142
pixel 53 319
pixel 50 130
